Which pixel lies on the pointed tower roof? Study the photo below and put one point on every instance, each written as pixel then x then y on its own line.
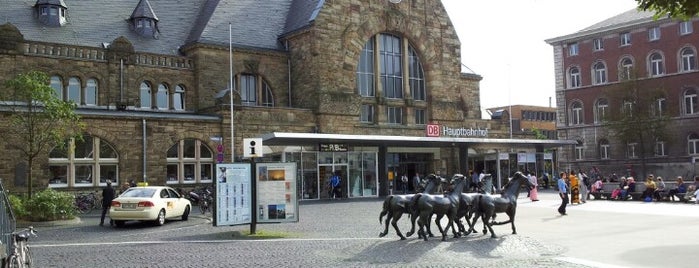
pixel 143 10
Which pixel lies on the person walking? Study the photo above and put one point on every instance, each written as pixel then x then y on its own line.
pixel 404 183
pixel 563 193
pixel 107 197
pixel 416 182
pixel 534 191
pixel 584 185
pixel 335 181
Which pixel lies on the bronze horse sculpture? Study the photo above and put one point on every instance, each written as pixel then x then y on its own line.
pixel 489 205
pixel 395 205
pixel 467 208
pixel 425 205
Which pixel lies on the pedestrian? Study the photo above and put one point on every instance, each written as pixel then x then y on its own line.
pixel 132 183
pixel 404 183
pixel 416 182
pixel 475 179
pixel 563 193
pixel 545 178
pixel 574 188
pixel 534 191
pixel 335 180
pixel 584 185
pixel 107 197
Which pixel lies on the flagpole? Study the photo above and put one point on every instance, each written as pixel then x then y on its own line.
pixel 230 88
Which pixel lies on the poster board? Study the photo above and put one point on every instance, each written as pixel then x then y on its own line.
pixel 276 193
pixel 233 194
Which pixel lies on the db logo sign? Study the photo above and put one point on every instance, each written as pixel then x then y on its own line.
pixel 432 130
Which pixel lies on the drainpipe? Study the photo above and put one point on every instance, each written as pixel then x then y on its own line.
pixel 145 178
pixel 288 68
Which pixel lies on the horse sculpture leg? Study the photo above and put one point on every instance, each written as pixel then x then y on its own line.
pixel 388 219
pixel 394 222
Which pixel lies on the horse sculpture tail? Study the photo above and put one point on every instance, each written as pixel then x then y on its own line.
pixel 412 206
pixel 386 207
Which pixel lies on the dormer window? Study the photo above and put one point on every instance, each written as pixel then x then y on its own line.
pixel 51 12
pixel 143 20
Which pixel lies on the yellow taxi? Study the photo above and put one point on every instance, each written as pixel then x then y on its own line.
pixel 149 203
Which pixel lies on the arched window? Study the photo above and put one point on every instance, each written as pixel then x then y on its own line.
pixel 254 91
pixel 74 90
pixel 189 161
pixel 574 79
pixel 89 162
pixel 688 60
pixel 178 98
pixel 625 69
pixel 690 102
pixel 693 144
pixel 387 73
pixel 163 97
pixel 145 95
pixel 576 113
pixel 604 149
pixel 656 65
pixel 91 92
pixel 57 85
pixel 601 110
pixel 599 73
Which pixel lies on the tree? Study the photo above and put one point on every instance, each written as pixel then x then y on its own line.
pixel 642 117
pixel 679 9
pixel 38 119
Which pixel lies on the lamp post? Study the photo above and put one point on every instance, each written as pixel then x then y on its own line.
pixel 230 88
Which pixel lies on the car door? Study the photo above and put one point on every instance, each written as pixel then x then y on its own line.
pixel 175 206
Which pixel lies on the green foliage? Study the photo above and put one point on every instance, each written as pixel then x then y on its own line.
pixel 49 205
pixel 17 204
pixel 679 9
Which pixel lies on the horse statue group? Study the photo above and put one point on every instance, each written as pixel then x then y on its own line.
pixel 454 204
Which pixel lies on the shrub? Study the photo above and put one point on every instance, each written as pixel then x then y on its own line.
pixel 17 204
pixel 49 205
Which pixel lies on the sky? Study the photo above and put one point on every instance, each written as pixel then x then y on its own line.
pixel 503 41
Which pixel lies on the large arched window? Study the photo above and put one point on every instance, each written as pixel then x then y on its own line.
pixel 688 60
pixel 189 161
pixel 57 85
pixel 89 162
pixel 74 90
pixel 381 70
pixel 574 79
pixel 601 110
pixel 690 102
pixel 178 98
pixel 625 69
pixel 91 87
pixel 163 97
pixel 576 113
pixel 254 90
pixel 599 73
pixel 693 144
pixel 656 66
pixel 144 95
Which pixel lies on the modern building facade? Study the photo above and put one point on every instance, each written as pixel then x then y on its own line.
pixel 526 119
pixel 630 52
pixel 370 88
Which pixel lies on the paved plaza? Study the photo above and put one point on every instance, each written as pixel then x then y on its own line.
pixel 344 233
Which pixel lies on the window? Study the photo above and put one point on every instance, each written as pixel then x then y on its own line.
pixel 604 149
pixel 599 73
pixel 420 118
pixel 574 79
pixel 145 95
pixel 688 60
pixel 365 70
pixel 627 108
pixel 178 98
pixel 579 151
pixel 685 27
pixel 416 76
pixel 597 44
pixel 656 64
pixel 690 102
pixel 625 39
pixel 659 107
pixel 390 61
pixel 254 91
pixel 576 113
pixel 625 69
pixel 601 108
pixel 572 49
pixel 394 115
pixel 654 33
pixel 660 148
pixel 163 97
pixel 87 163
pixel 693 144
pixel 189 161
pixel 631 150
pixel 57 85
pixel 91 92
pixel 74 90
pixel 367 113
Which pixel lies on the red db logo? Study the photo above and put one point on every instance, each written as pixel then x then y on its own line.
pixel 432 130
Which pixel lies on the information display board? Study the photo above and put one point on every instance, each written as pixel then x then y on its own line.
pixel 233 194
pixel 276 193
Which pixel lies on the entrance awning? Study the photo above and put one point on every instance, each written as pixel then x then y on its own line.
pixel 288 138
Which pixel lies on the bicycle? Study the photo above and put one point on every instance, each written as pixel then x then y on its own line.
pixel 21 256
pixel 85 203
pixel 203 198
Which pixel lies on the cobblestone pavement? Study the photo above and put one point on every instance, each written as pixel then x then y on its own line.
pixel 340 233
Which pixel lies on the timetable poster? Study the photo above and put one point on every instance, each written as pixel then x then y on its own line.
pixel 276 193
pixel 233 194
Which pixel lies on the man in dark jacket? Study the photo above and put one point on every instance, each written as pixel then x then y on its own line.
pixel 107 197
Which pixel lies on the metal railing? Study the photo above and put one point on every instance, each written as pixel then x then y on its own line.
pixel 7 220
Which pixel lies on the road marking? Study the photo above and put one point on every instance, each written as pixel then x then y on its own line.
pixel 587 262
pixel 204 241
